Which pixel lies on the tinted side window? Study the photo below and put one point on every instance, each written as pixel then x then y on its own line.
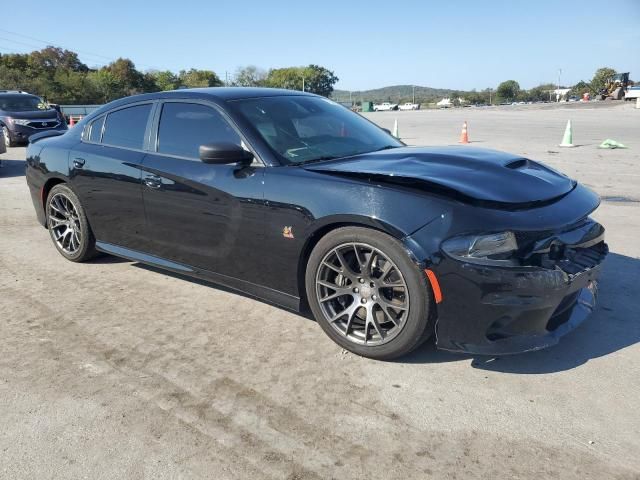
pixel 95 130
pixel 185 126
pixel 126 127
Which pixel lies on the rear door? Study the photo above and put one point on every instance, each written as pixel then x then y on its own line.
pixel 105 171
pixel 202 215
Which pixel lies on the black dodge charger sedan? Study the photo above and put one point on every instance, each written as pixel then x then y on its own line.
pixel 294 199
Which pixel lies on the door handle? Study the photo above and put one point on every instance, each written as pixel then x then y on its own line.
pixel 78 162
pixel 152 181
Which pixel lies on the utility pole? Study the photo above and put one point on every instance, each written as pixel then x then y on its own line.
pixel 303 84
pixel 559 74
pixel 489 95
pixel 226 78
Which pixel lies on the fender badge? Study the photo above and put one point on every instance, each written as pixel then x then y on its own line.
pixel 287 232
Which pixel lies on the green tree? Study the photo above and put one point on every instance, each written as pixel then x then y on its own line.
pixel 542 92
pixel 52 58
pixel 289 78
pixel 194 78
pixel 129 80
pixel 508 90
pixel 250 76
pixel 581 88
pixel 106 85
pixel 165 80
pixel 600 78
pixel 317 79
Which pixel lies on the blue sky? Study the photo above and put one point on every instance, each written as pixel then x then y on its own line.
pixel 458 44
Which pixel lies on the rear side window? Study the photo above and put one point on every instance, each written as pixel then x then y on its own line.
pixel 126 127
pixel 95 130
pixel 185 126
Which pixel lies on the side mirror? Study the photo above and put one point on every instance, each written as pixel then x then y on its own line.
pixel 224 153
pixel 386 130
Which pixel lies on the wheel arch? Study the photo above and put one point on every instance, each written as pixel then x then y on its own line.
pixel 322 229
pixel 44 192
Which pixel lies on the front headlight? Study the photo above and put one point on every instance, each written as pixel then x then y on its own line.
pixel 495 248
pixel 21 121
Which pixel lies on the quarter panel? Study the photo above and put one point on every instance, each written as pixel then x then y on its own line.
pixel 305 202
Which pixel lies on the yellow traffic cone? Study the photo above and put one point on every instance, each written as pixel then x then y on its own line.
pixel 567 139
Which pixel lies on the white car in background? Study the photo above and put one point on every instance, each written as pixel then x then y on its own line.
pixel 385 106
pixel 410 106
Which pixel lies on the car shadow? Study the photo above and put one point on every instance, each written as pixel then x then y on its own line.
pixel 613 326
pixel 12 168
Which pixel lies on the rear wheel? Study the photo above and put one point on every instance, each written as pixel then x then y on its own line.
pixel 68 225
pixel 367 294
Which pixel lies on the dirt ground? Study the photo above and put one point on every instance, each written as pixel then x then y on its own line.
pixel 111 369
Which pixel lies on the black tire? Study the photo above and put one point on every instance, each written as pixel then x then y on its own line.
pixel 418 323
pixel 84 249
pixel 7 138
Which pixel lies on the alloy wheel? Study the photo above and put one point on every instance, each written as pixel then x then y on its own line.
pixel 362 294
pixel 7 140
pixel 64 223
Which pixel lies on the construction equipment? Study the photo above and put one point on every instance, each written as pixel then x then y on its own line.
pixel 615 87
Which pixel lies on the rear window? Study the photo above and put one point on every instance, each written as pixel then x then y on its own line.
pixel 126 127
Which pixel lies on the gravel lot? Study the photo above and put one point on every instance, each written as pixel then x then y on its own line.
pixel 115 370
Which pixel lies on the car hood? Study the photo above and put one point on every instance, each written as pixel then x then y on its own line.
pixel 465 172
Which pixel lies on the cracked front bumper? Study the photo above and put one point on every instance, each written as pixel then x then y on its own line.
pixel 491 310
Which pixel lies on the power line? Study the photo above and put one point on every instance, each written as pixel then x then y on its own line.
pixel 20 43
pixel 53 44
pixel 12 50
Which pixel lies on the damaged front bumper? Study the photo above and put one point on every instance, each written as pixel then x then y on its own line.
pixel 496 310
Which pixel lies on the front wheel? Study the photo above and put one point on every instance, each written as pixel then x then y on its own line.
pixel 68 225
pixel 367 294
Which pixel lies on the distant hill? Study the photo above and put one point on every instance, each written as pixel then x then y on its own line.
pixel 395 94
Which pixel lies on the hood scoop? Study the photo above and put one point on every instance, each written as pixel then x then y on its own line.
pixel 471 174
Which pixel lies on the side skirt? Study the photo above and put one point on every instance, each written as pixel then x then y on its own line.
pixel 270 295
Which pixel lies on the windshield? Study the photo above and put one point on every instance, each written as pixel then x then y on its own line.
pixel 302 129
pixel 21 103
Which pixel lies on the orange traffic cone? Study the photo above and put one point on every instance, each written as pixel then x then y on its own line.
pixel 464 135
pixel 72 121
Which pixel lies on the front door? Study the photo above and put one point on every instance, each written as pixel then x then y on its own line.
pixel 201 215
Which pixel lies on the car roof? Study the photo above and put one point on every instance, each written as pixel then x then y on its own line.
pixel 219 94
pixel 215 93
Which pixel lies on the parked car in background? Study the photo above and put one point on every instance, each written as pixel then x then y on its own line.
pixel 409 106
pixel 3 147
pixel 23 114
pixel 632 93
pixel 385 106
pixel 293 198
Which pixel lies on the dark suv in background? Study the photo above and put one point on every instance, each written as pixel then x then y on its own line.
pixel 23 114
